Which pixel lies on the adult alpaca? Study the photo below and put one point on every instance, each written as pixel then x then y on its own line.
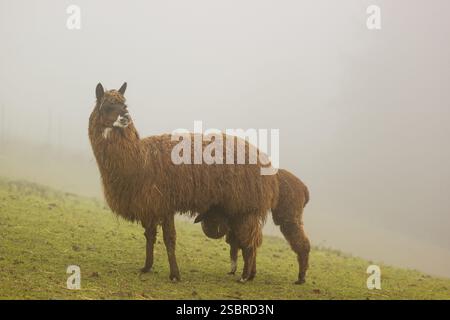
pixel 141 183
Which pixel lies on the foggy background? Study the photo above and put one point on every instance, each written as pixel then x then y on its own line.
pixel 363 114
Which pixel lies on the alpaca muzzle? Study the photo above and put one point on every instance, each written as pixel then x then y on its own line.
pixel 122 121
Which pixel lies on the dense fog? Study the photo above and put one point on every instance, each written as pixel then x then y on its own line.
pixel 363 114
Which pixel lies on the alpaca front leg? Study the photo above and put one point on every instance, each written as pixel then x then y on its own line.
pixel 234 251
pixel 150 236
pixel 169 235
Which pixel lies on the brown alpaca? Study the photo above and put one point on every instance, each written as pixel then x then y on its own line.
pixel 141 183
pixel 288 214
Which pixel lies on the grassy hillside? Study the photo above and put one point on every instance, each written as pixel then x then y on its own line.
pixel 43 231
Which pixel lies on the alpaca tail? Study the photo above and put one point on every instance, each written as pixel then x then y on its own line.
pixel 306 191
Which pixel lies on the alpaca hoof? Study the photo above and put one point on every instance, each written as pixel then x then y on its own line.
pixel 232 273
pixel 242 280
pixel 174 278
pixel 146 269
pixel 251 277
pixel 300 281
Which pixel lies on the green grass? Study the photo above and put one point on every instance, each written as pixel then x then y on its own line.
pixel 42 232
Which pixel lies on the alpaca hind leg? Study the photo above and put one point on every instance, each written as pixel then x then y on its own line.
pixel 253 270
pixel 150 236
pixel 169 236
pixel 294 233
pixel 249 255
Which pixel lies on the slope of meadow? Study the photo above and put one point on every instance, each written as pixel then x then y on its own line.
pixel 42 232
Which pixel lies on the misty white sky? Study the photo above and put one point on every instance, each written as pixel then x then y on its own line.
pixel 363 115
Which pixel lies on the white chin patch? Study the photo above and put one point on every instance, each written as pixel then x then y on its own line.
pixel 121 122
pixel 106 132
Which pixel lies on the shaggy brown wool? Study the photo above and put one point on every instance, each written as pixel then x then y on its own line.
pixel 141 183
pixel 288 214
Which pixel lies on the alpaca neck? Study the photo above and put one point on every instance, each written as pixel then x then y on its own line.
pixel 118 151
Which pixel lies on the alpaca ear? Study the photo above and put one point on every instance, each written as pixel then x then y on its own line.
pixel 123 88
pixel 99 91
